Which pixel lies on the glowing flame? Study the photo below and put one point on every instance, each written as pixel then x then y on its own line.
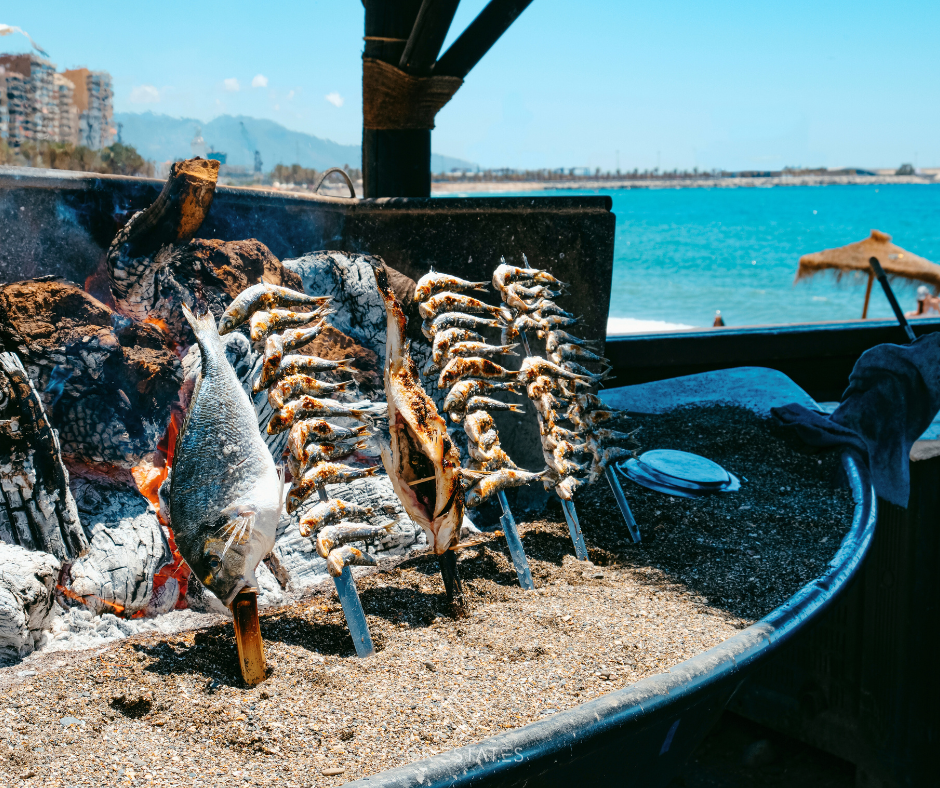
pixel 111 607
pixel 148 478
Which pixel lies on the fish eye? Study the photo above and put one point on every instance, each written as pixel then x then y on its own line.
pixel 213 562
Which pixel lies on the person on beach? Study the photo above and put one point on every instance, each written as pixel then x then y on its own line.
pixel 719 320
pixel 925 303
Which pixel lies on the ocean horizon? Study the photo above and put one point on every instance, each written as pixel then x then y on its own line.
pixel 682 254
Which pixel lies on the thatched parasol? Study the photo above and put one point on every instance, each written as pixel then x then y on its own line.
pixel 854 257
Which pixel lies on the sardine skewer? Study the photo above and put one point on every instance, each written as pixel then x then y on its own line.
pixel 263 324
pixel 458 320
pixel 295 386
pixel 330 511
pixel 443 303
pixel 321 430
pixel 433 283
pixel 331 537
pixel 264 296
pixel 300 365
pixel 320 474
pixel 308 406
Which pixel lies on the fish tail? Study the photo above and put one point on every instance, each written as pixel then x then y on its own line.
pixel 515 408
pixel 203 326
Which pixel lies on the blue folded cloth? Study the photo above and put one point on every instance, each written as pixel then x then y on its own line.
pixel 893 395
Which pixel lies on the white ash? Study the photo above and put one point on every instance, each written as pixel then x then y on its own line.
pixel 27 596
pixel 128 547
pixel 349 278
pixel 78 628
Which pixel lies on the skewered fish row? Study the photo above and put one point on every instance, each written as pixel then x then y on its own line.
pixel 464 361
pixel 304 406
pixel 556 386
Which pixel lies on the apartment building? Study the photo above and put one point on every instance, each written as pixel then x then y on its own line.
pixel 37 104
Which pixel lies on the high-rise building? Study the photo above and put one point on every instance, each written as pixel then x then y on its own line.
pixel 37 104
pixel 94 99
pixel 67 129
pixel 33 112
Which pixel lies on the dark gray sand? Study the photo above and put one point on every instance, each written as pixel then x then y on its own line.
pixel 164 710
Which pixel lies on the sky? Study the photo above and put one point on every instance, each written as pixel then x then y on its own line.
pixel 599 83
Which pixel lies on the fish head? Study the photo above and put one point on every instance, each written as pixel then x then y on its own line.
pixel 226 560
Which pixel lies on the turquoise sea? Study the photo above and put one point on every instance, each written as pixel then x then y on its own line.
pixel 680 254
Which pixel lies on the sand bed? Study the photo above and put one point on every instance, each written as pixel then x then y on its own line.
pixel 166 709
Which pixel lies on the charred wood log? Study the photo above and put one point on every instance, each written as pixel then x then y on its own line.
pixel 155 266
pixel 127 548
pixel 38 511
pixel 142 249
pixel 107 382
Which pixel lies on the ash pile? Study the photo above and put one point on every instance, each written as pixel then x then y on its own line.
pixel 94 382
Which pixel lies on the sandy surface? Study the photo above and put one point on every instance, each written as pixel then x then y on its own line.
pixel 161 709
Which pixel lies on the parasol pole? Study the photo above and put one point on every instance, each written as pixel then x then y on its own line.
pixel 871 279
pixel 352 607
pixel 889 294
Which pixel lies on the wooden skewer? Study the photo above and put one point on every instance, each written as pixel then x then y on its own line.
pixel 248 636
pixel 419 481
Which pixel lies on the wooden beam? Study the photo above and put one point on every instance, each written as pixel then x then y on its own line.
pixel 479 37
pixel 395 163
pixel 427 36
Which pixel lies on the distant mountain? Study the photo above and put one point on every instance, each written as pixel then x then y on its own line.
pixel 162 138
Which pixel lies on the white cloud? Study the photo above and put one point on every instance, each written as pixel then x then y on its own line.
pixel 145 94
pixel 335 99
pixel 231 85
pixel 260 81
pixel 290 95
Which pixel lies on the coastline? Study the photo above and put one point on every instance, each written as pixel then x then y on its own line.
pixel 457 188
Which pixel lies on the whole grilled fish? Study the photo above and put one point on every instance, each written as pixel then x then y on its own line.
pixel 422 463
pixel 225 494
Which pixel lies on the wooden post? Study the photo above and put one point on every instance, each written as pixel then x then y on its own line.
pixel 871 278
pixel 248 636
pixel 408 34
pixel 395 162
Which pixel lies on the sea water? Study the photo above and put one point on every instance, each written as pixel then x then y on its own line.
pixel 682 254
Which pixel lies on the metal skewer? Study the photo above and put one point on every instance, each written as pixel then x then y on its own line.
pixel 614 483
pixel 516 551
pixel 352 607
